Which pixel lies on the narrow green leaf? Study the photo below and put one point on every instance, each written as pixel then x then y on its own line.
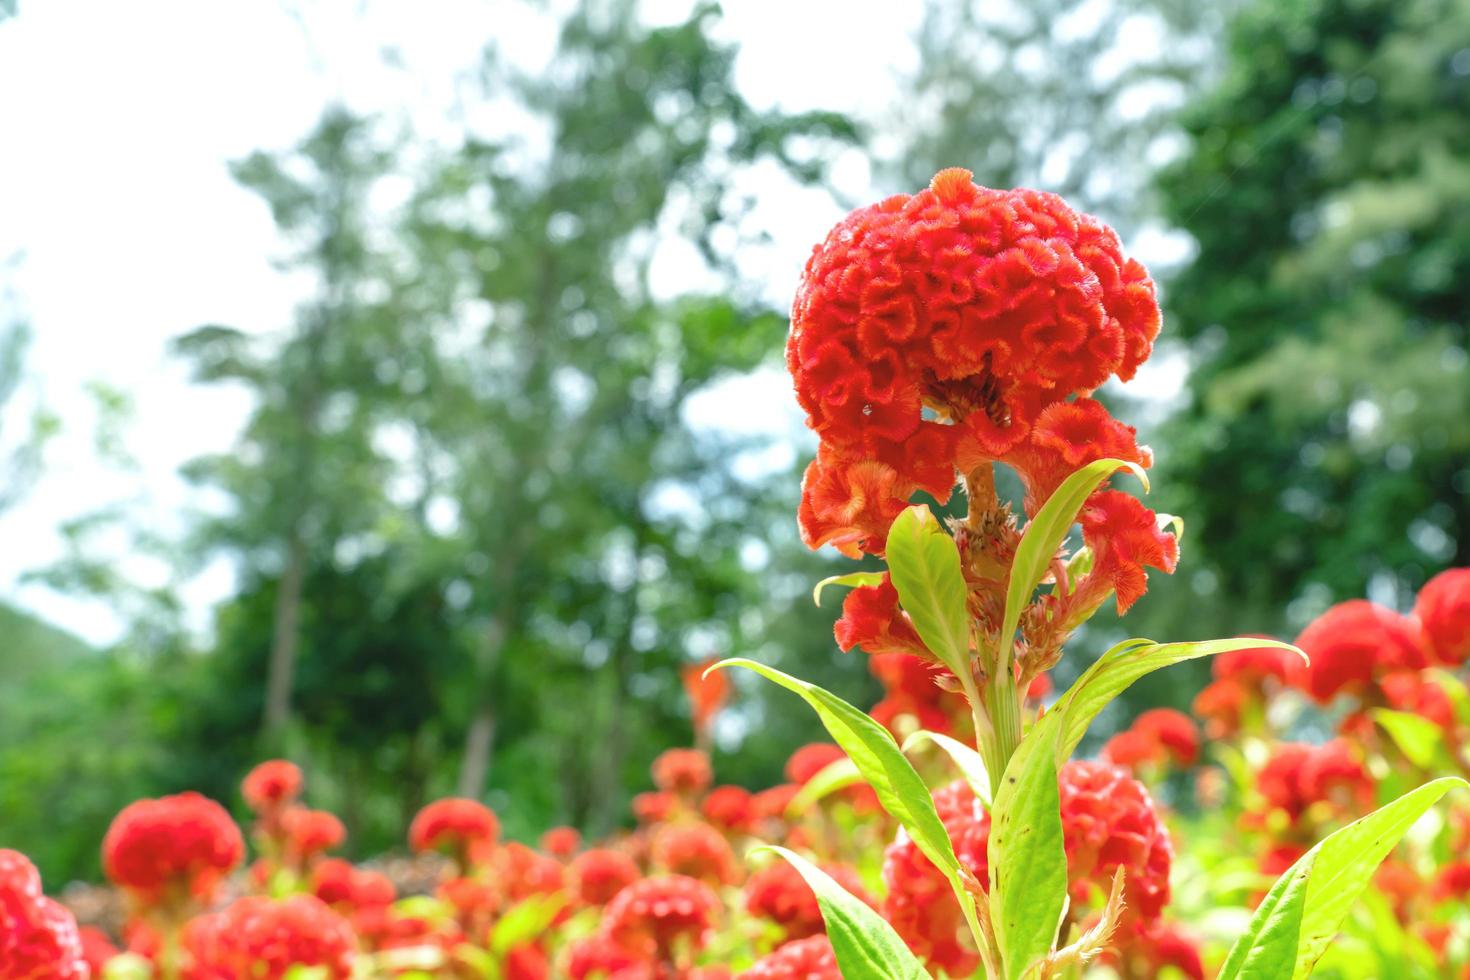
pixel 851 579
pixel 1045 534
pixel 971 766
pixel 877 756
pixel 924 564
pixel 525 921
pixel 1418 738
pixel 1028 860
pixel 833 777
pixel 866 946
pixel 1115 671
pixel 1305 908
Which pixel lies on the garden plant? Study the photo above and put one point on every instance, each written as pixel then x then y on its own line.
pixel 946 348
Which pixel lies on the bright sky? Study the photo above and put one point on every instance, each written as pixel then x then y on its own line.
pixel 118 122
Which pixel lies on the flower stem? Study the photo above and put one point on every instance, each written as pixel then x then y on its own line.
pixel 1002 706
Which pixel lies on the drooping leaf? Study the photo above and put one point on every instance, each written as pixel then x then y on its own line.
pixel 851 579
pixel 1028 861
pixel 1418 738
pixel 1045 534
pixel 971 766
pixel 833 777
pixel 865 945
pixel 924 564
pixel 1304 909
pixel 901 791
pixel 525 921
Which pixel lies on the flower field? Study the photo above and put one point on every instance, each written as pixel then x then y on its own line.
pixel 1308 815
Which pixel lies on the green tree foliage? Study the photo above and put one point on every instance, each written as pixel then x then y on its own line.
pixel 1325 439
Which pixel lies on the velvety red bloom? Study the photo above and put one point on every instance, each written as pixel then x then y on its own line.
pixel 1222 705
pixel 522 872
pixel 561 842
pixel 527 962
pixel 468 829
pixel 1443 611
pixel 599 957
pixel 347 888
pixel 696 850
pixel 1108 822
pixel 1149 948
pixel 771 804
pixel 310 833
pixel 271 785
pixel 1353 643
pixel 1453 881
pixel 598 875
pixel 474 900
pixel 684 772
pixel 1297 776
pixel 652 916
pixel 920 905
pixel 1161 736
pixel 708 692
pixel 911 692
pixel 263 938
pixel 800 959
pixel 809 760
pixel 984 306
pixel 172 848
pixel 1066 437
pixel 779 893
pixel 872 619
pixel 728 808
pixel 1125 538
pixel 38 937
pixel 1417 693
pixel 652 808
pixel 97 949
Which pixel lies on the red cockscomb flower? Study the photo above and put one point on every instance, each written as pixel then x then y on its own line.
pixel 599 874
pixel 1353 643
pixel 984 306
pixel 1152 947
pixel 912 697
pixel 561 842
pixel 872 619
pixel 651 808
pixel 654 916
pixel 1066 437
pixel 779 893
pixel 1297 776
pixel 1109 822
pixel 310 833
pixel 1255 667
pixel 800 959
pixel 1125 538
pixel 920 905
pixel 172 849
pixel 1161 736
pixel 1443 611
pixel 809 760
pixel 467 829
pixel 1222 705
pixel 271 785
pixel 728 808
pixel 708 691
pixel 97 949
pixel 772 804
pixel 599 957
pixel 524 872
pixel 696 850
pixel 38 937
pixel 349 889
pixel 263 939
pixel 684 772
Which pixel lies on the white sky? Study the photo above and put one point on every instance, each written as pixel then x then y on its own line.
pixel 118 120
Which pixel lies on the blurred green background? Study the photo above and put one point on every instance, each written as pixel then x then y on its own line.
pixel 517 443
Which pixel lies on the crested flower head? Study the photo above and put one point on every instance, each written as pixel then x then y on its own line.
pixel 271 785
pixel 800 959
pixel 38 937
pixel 1443 611
pixel 684 772
pixel 696 850
pixel 267 939
pixel 1353 644
pixel 779 893
pixel 172 849
pixel 599 874
pixel 466 828
pixel 654 916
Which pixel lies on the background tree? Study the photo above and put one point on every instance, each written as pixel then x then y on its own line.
pixel 1323 447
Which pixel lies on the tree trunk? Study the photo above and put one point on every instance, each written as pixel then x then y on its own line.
pixel 281 673
pixel 475 763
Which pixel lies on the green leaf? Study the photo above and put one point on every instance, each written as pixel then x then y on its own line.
pixel 877 756
pixel 1115 671
pixel 1304 909
pixel 971 766
pixel 924 564
pixel 1417 737
pixel 524 922
pixel 833 777
pixel 866 946
pixel 1028 860
pixel 1045 534
pixel 851 579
